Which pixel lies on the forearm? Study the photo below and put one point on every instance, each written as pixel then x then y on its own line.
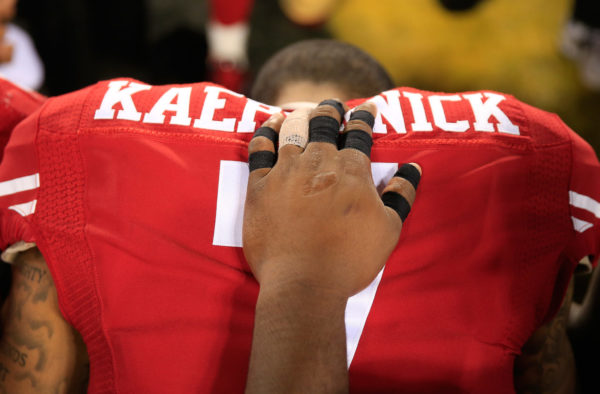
pixel 39 351
pixel 547 373
pixel 299 341
pixel 547 364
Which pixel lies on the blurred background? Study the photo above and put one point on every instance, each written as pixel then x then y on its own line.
pixel 505 45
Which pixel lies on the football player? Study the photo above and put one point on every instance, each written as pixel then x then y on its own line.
pixel 134 196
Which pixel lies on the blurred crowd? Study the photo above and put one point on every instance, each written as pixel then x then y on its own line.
pixel 61 45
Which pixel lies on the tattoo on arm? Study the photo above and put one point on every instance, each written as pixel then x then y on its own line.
pixel 3 372
pixel 547 364
pixel 31 273
pixel 34 332
pixel 13 354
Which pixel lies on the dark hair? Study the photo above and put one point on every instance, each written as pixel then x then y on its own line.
pixel 342 64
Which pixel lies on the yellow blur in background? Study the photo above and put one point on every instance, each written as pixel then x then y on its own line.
pixel 504 45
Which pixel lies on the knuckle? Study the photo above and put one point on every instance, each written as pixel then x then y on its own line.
pixel 358 124
pixel 274 122
pixel 260 144
pixel 355 163
pixel 402 187
pixel 368 106
pixel 325 110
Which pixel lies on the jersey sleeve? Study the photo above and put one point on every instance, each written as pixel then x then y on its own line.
pixel 16 104
pixel 584 202
pixel 19 185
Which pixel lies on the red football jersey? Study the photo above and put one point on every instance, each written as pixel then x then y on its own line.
pixel 15 104
pixel 134 194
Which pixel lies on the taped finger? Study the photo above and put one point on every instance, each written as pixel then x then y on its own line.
pixel 400 192
pixel 294 130
pixel 261 149
pixel 324 125
pixel 359 131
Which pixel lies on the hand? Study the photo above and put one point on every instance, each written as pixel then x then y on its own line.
pixel 315 218
pixel 315 232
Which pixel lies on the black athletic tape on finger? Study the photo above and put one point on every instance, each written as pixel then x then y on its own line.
pixel 342 140
pixel 410 173
pixel 363 115
pixel 323 129
pixel 266 131
pixel 261 159
pixel 335 104
pixel 359 140
pixel 398 203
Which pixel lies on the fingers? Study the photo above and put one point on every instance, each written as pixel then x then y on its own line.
pixel 293 136
pixel 261 149
pixel 399 194
pixel 324 125
pixel 359 129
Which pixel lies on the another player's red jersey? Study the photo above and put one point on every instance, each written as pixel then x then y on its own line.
pixel 15 104
pixel 134 194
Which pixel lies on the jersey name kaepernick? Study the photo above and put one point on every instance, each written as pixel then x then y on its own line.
pixel 134 194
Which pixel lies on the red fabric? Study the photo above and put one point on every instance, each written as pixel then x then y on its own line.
pixel 15 104
pixel 228 12
pixel 127 212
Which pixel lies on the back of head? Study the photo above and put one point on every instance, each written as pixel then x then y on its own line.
pixel 351 69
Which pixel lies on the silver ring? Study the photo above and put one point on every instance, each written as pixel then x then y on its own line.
pixel 294 130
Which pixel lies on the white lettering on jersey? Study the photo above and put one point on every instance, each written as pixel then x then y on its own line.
pixel 439 117
pixel 231 196
pixel 177 101
pixel 247 123
pixel 483 112
pixel 181 107
pixel 212 102
pixel 420 119
pixel 114 95
pixel 389 109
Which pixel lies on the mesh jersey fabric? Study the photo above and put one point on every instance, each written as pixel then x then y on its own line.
pixel 137 210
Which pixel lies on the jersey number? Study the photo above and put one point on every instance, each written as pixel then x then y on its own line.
pixel 231 195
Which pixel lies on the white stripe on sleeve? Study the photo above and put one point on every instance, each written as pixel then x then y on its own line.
pixel 25 209
pixel 18 185
pixel 584 202
pixel 580 225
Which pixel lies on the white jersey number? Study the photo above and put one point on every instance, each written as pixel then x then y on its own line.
pixel 233 179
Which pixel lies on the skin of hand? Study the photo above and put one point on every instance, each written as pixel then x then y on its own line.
pixel 315 232
pixel 316 218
